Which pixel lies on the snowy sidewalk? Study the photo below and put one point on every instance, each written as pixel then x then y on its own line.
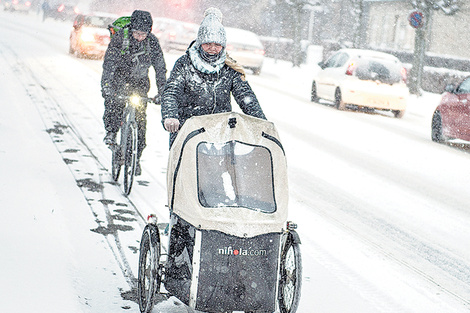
pixel 50 260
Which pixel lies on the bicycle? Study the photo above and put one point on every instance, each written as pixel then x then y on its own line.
pixel 124 152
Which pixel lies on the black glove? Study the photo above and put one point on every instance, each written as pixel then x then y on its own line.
pixel 107 92
pixel 157 99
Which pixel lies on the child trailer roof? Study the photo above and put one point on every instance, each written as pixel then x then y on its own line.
pixel 228 172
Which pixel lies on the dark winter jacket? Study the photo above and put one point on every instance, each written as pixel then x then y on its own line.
pixel 189 92
pixel 130 64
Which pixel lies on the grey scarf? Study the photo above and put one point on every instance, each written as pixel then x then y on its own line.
pixel 205 67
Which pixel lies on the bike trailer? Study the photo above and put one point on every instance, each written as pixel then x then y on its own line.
pixel 228 197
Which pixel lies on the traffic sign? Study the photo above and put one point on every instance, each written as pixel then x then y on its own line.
pixel 416 19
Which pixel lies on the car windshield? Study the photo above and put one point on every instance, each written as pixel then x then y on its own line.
pixel 383 70
pixel 464 87
pixel 237 37
pixel 235 174
pixel 98 21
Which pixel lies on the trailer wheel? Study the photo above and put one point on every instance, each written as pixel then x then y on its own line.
pixel 436 128
pixel 290 275
pixel 149 278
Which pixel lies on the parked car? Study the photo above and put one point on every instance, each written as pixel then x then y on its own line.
pixel 242 45
pixel 90 35
pixel 451 119
pixel 246 48
pixel 173 34
pixel 363 78
pixel 64 11
pixel 17 5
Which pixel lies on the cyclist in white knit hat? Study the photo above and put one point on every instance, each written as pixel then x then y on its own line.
pixel 203 79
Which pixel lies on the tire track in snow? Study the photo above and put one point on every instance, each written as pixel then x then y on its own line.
pixel 358 216
pixel 117 217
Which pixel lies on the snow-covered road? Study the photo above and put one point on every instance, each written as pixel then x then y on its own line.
pixel 383 212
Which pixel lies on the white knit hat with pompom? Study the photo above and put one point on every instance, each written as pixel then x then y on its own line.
pixel 214 11
pixel 211 28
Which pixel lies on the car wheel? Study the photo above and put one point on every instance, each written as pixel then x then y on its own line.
pixel 339 103
pixel 399 113
pixel 436 128
pixel 314 95
pixel 257 71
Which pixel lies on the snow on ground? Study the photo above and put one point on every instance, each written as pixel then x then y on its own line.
pixel 59 252
pixel 49 257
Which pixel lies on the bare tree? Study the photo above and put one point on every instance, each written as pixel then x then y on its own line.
pixel 449 7
pixel 297 9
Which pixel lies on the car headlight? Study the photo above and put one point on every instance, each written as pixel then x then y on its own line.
pixel 87 36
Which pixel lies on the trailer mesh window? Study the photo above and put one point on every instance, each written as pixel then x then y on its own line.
pixel 235 174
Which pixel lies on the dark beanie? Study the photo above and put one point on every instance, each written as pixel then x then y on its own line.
pixel 141 20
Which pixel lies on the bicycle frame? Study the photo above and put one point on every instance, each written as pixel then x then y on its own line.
pixel 125 153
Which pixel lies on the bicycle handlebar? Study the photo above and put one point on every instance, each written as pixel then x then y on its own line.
pixel 143 99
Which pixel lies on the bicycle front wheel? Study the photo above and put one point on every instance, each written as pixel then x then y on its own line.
pixel 130 161
pixel 116 163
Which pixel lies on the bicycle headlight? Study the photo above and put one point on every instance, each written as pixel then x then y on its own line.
pixel 135 101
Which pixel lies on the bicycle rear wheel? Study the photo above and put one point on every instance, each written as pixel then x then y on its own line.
pixel 130 158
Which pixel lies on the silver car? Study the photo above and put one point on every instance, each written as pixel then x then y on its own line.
pixel 246 48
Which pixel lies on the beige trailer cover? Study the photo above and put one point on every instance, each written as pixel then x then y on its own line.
pixel 228 172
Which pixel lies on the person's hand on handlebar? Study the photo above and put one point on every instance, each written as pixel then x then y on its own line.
pixel 171 124
pixel 157 99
